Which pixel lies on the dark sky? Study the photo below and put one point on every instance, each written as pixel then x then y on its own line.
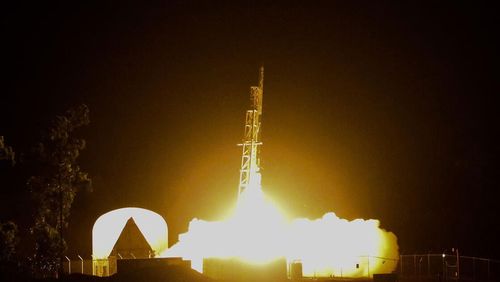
pixel 371 109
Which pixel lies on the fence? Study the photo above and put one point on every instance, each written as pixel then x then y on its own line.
pixel 78 265
pixel 448 267
pixel 441 267
pixel 96 267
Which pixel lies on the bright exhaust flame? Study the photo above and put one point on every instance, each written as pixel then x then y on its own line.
pixel 257 232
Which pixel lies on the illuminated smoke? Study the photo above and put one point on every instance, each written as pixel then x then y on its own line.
pixel 334 246
pixel 257 232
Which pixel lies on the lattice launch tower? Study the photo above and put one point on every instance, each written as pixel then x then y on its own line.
pixel 250 177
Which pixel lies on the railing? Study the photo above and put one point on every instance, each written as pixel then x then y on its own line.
pixel 448 267
pixel 438 267
pixel 78 265
pixel 96 267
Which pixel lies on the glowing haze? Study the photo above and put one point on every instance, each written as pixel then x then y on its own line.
pixel 258 232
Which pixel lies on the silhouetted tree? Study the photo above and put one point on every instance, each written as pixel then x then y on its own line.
pixel 7 155
pixel 8 241
pixel 54 187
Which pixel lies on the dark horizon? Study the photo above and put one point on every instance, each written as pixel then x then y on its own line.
pixel 373 110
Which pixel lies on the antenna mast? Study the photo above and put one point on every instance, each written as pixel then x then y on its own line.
pixel 250 177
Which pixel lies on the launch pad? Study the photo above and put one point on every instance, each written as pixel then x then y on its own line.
pixel 255 239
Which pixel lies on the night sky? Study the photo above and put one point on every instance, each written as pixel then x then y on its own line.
pixel 371 110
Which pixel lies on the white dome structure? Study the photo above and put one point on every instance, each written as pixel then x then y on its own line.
pixel 110 225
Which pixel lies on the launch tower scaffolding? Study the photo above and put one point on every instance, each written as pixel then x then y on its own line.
pixel 250 161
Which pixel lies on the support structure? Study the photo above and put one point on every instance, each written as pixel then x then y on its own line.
pixel 250 162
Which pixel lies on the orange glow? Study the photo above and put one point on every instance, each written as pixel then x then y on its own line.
pixel 334 246
pixel 258 232
pixel 109 226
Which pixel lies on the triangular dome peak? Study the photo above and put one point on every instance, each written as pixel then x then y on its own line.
pixel 109 226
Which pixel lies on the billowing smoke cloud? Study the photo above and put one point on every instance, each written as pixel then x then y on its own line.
pixel 331 246
pixel 257 232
